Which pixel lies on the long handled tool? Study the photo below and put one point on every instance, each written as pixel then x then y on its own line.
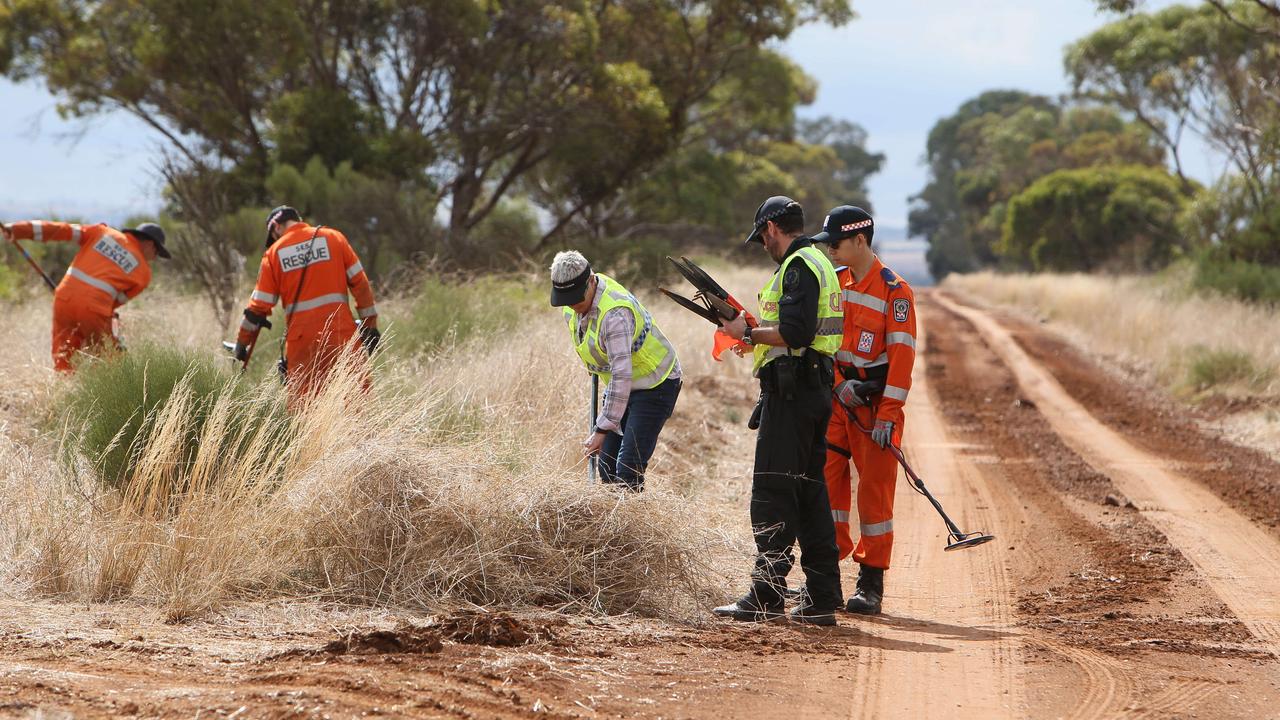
pixel 591 424
pixel 230 347
pixel 955 538
pixel 35 265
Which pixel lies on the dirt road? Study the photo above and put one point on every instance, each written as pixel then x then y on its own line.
pixel 1134 575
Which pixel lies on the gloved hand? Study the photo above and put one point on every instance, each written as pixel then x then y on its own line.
pixel 369 337
pixel 4 230
pixel 847 393
pixel 882 433
pixel 240 353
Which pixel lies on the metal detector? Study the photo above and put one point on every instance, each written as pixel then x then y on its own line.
pixel 956 539
pixel 35 265
pixel 591 424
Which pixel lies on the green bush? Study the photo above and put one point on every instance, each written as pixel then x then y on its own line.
pixel 445 313
pixel 111 406
pixel 1208 368
pixel 1107 217
pixel 1248 281
pixel 10 283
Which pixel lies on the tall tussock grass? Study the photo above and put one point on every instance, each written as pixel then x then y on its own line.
pixel 359 497
pixel 111 408
pixel 1194 343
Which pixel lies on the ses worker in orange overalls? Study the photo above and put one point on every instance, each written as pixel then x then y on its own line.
pixel 111 268
pixel 310 270
pixel 873 375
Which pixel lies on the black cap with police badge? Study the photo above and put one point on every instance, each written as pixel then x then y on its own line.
pixel 772 209
pixel 845 222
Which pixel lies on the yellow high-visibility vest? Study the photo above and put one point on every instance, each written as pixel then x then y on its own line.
pixel 652 356
pixel 830 309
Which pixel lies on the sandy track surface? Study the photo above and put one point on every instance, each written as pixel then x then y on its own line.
pixel 1131 577
pixel 1239 559
pixel 961 601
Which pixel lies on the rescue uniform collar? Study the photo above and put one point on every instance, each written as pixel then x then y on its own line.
pixel 300 228
pixel 874 271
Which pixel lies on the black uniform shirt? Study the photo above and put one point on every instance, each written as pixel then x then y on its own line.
pixel 798 309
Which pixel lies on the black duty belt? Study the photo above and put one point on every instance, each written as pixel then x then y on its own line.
pixel 875 372
pixel 785 374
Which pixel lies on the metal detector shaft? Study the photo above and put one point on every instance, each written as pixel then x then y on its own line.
pixel 591 424
pixel 915 480
pixel 36 266
pixel 957 538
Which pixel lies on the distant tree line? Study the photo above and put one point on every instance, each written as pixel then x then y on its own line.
pixel 1098 181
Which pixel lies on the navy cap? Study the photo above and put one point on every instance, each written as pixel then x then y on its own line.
pixel 152 232
pixel 772 209
pixel 280 215
pixel 845 222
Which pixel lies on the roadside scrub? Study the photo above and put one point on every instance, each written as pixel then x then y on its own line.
pixel 1196 344
pixel 463 492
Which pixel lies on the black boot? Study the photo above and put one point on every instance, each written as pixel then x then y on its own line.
pixel 866 599
pixel 809 612
pixel 750 609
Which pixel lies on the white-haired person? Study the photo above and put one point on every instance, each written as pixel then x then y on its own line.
pixel 617 340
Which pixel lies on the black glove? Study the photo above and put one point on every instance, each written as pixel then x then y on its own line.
pixel 240 352
pixel 369 337
pixel 260 320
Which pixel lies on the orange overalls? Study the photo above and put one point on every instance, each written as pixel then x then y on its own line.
pixel 879 342
pixel 108 271
pixel 311 271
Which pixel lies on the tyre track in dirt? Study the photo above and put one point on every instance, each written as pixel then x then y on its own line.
pixel 1240 561
pixel 974 666
pixel 1108 685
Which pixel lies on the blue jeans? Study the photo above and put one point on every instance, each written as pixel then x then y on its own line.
pixel 623 458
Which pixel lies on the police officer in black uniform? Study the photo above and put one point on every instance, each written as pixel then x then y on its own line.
pixel 788 491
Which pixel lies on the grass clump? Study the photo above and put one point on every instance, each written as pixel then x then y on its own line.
pixel 445 313
pixel 1209 368
pixel 1251 282
pixel 112 406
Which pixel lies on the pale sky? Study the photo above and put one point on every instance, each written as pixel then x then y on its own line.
pixel 896 70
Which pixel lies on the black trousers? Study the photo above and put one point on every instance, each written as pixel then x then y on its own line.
pixel 789 502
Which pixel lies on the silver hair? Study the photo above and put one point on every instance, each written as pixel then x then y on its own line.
pixel 568 265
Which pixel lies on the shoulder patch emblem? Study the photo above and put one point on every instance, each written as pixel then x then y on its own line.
pixel 866 340
pixel 901 309
pixel 792 277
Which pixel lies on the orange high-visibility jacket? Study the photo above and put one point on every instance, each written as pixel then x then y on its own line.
pixel 316 304
pixel 879 330
pixel 108 271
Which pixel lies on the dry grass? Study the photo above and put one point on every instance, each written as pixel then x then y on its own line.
pixel 1151 323
pixel 1196 345
pixel 457 481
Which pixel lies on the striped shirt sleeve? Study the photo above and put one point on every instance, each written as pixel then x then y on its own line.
pixel 617 328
